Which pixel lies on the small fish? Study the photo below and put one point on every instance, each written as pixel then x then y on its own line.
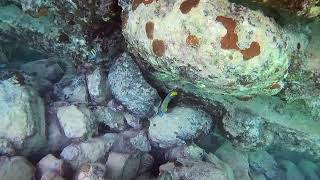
pixel 92 55
pixel 164 105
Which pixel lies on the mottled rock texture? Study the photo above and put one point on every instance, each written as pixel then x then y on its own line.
pixel 22 115
pixel 238 57
pixel 16 168
pixel 131 89
pixel 178 126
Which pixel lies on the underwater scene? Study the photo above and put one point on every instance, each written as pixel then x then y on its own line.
pixel 160 89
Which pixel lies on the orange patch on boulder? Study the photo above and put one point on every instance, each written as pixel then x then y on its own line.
pixel 149 29
pixel 187 5
pixel 252 51
pixel 275 86
pixel 158 47
pixel 230 40
pixel 193 41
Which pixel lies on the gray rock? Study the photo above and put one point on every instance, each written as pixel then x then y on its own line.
pixel 129 87
pixel 6 148
pixel 141 142
pixel 263 163
pixel 192 151
pixel 146 163
pixel 76 122
pixel 51 176
pixel 22 115
pixel 115 106
pixel 245 128
pixel 220 164
pixel 93 171
pixel 237 160
pixel 131 142
pixel 16 168
pixel 309 169
pixel 72 89
pixel 292 172
pixel 107 116
pixel 97 86
pixel 122 166
pixel 190 169
pixel 146 176
pixel 90 151
pixel 132 121
pixel 47 69
pixel 178 126
pixel 56 137
pixel 50 163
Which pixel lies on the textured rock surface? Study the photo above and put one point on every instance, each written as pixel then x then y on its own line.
pixel 185 152
pixel 262 162
pixel 237 160
pixel 107 116
pixel 122 166
pixel 141 142
pixel 129 87
pixel 132 121
pixel 6 148
pixel 97 86
pixel 200 48
pixel 178 126
pixel 16 168
pixel 22 115
pixel 51 176
pixel 73 90
pixel 76 122
pixel 220 164
pixel 188 169
pixel 93 171
pixel 51 164
pixel 217 46
pixel 90 151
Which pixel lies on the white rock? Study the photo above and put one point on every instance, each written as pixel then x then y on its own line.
pixel 49 163
pixel 16 168
pixel 97 86
pixel 76 122
pixel 178 126
pixel 22 115
pixel 90 151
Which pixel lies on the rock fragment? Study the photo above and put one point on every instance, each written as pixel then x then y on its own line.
pixel 76 122
pixel 122 166
pixel 292 172
pixel 97 86
pixel 50 163
pixel 237 160
pixel 73 90
pixel 93 171
pixel 107 116
pixel 22 115
pixel 90 151
pixel 178 126
pixel 263 163
pixel 129 87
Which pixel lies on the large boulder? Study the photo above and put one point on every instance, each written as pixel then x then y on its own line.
pixel 22 115
pixel 178 126
pixel 217 46
pixel 131 89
